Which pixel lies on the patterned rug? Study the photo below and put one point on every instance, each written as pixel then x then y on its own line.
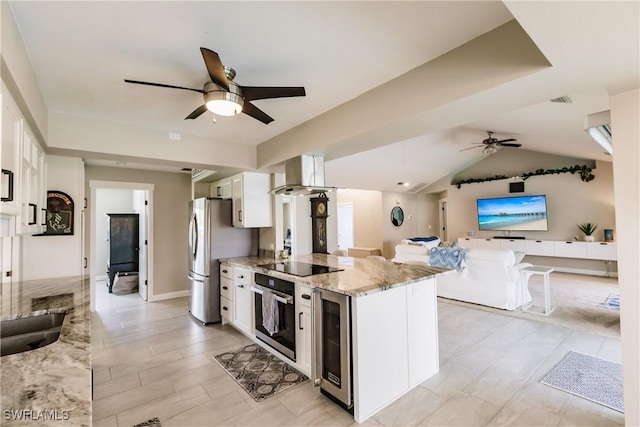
pixel 153 422
pixel 594 379
pixel 612 302
pixel 260 373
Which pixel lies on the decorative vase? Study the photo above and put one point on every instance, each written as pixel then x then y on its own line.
pixel 589 238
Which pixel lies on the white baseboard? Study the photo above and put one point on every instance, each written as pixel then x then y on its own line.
pixel 168 295
pixel 582 271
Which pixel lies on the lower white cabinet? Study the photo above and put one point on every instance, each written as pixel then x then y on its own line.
pixel 570 249
pixel 242 300
pixel 551 248
pixel 303 328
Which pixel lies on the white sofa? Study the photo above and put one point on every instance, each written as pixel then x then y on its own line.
pixel 407 250
pixel 490 277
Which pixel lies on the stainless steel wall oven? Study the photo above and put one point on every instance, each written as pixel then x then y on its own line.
pixel 284 340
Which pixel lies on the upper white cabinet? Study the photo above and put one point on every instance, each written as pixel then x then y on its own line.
pixel 10 155
pixel 221 189
pixel 252 203
pixel 23 186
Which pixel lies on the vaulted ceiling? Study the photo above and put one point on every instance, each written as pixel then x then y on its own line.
pixel 394 89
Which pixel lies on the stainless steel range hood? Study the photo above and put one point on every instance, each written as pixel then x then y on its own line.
pixel 304 176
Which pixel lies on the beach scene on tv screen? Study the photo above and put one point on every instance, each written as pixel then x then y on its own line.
pixel 526 213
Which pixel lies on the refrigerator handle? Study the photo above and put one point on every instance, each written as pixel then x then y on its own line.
pixel 194 236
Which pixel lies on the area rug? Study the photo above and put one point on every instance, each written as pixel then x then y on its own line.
pixel 153 422
pixel 258 372
pixel 594 379
pixel 612 302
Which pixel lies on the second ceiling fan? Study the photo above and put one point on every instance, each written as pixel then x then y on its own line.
pixel 225 97
pixel 490 144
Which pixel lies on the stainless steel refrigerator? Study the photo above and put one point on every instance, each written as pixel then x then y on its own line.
pixel 211 238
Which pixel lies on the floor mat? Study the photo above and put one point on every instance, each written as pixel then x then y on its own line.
pixel 595 379
pixel 260 373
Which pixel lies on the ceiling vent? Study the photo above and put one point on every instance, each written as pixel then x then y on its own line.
pixel 562 100
pixel 418 187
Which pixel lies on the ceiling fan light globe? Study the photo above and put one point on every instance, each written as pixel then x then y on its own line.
pixel 224 103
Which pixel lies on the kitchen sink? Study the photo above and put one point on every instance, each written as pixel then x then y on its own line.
pixel 30 331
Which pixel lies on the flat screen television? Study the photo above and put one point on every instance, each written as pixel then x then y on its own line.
pixel 521 213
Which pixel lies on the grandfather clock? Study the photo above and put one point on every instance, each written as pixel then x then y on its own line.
pixel 319 223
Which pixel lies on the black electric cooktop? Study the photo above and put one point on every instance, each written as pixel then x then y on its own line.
pixel 301 269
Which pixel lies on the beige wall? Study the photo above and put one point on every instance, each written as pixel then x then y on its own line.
pixel 367 221
pixel 171 195
pixel 391 235
pixel 625 111
pixel 570 201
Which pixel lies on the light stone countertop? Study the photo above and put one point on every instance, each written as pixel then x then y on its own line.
pixel 49 386
pixel 359 277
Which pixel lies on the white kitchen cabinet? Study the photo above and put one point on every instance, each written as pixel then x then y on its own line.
pixel 10 155
pixel 226 293
pixel 242 300
pixel 468 243
pixel 252 203
pixel 29 221
pixel 303 329
pixel 221 189
pixel 422 322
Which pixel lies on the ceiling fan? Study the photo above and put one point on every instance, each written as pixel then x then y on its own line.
pixel 225 97
pixel 490 144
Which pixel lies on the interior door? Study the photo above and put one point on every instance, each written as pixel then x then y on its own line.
pixel 140 206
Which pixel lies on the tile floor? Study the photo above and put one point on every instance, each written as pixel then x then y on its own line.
pixel 152 360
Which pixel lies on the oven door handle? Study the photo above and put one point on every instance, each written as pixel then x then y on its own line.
pixel 283 298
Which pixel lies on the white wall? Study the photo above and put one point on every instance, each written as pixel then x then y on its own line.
pixel 625 114
pixel 57 256
pixel 109 200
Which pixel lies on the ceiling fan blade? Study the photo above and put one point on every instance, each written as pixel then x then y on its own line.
pixel 509 145
pixel 215 67
pixel 253 111
pixel 471 148
pixel 507 140
pixel 251 93
pixel 162 85
pixel 197 112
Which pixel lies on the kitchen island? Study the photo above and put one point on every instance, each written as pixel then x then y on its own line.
pixel 393 321
pixel 51 385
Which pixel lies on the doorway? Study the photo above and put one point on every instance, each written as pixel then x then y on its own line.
pixel 120 197
pixel 345 226
pixel 442 219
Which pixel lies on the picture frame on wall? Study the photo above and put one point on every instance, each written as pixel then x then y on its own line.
pixel 60 211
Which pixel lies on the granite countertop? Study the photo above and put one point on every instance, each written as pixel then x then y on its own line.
pixel 49 386
pixel 359 277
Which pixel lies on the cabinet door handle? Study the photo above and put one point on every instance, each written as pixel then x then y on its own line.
pixel 225 288
pixel 300 321
pixel 9 197
pixel 34 213
pixel 224 271
pixel 306 296
pixel 240 215
pixel 569 242
pixel 225 308
pixel 240 285
pixel 241 276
